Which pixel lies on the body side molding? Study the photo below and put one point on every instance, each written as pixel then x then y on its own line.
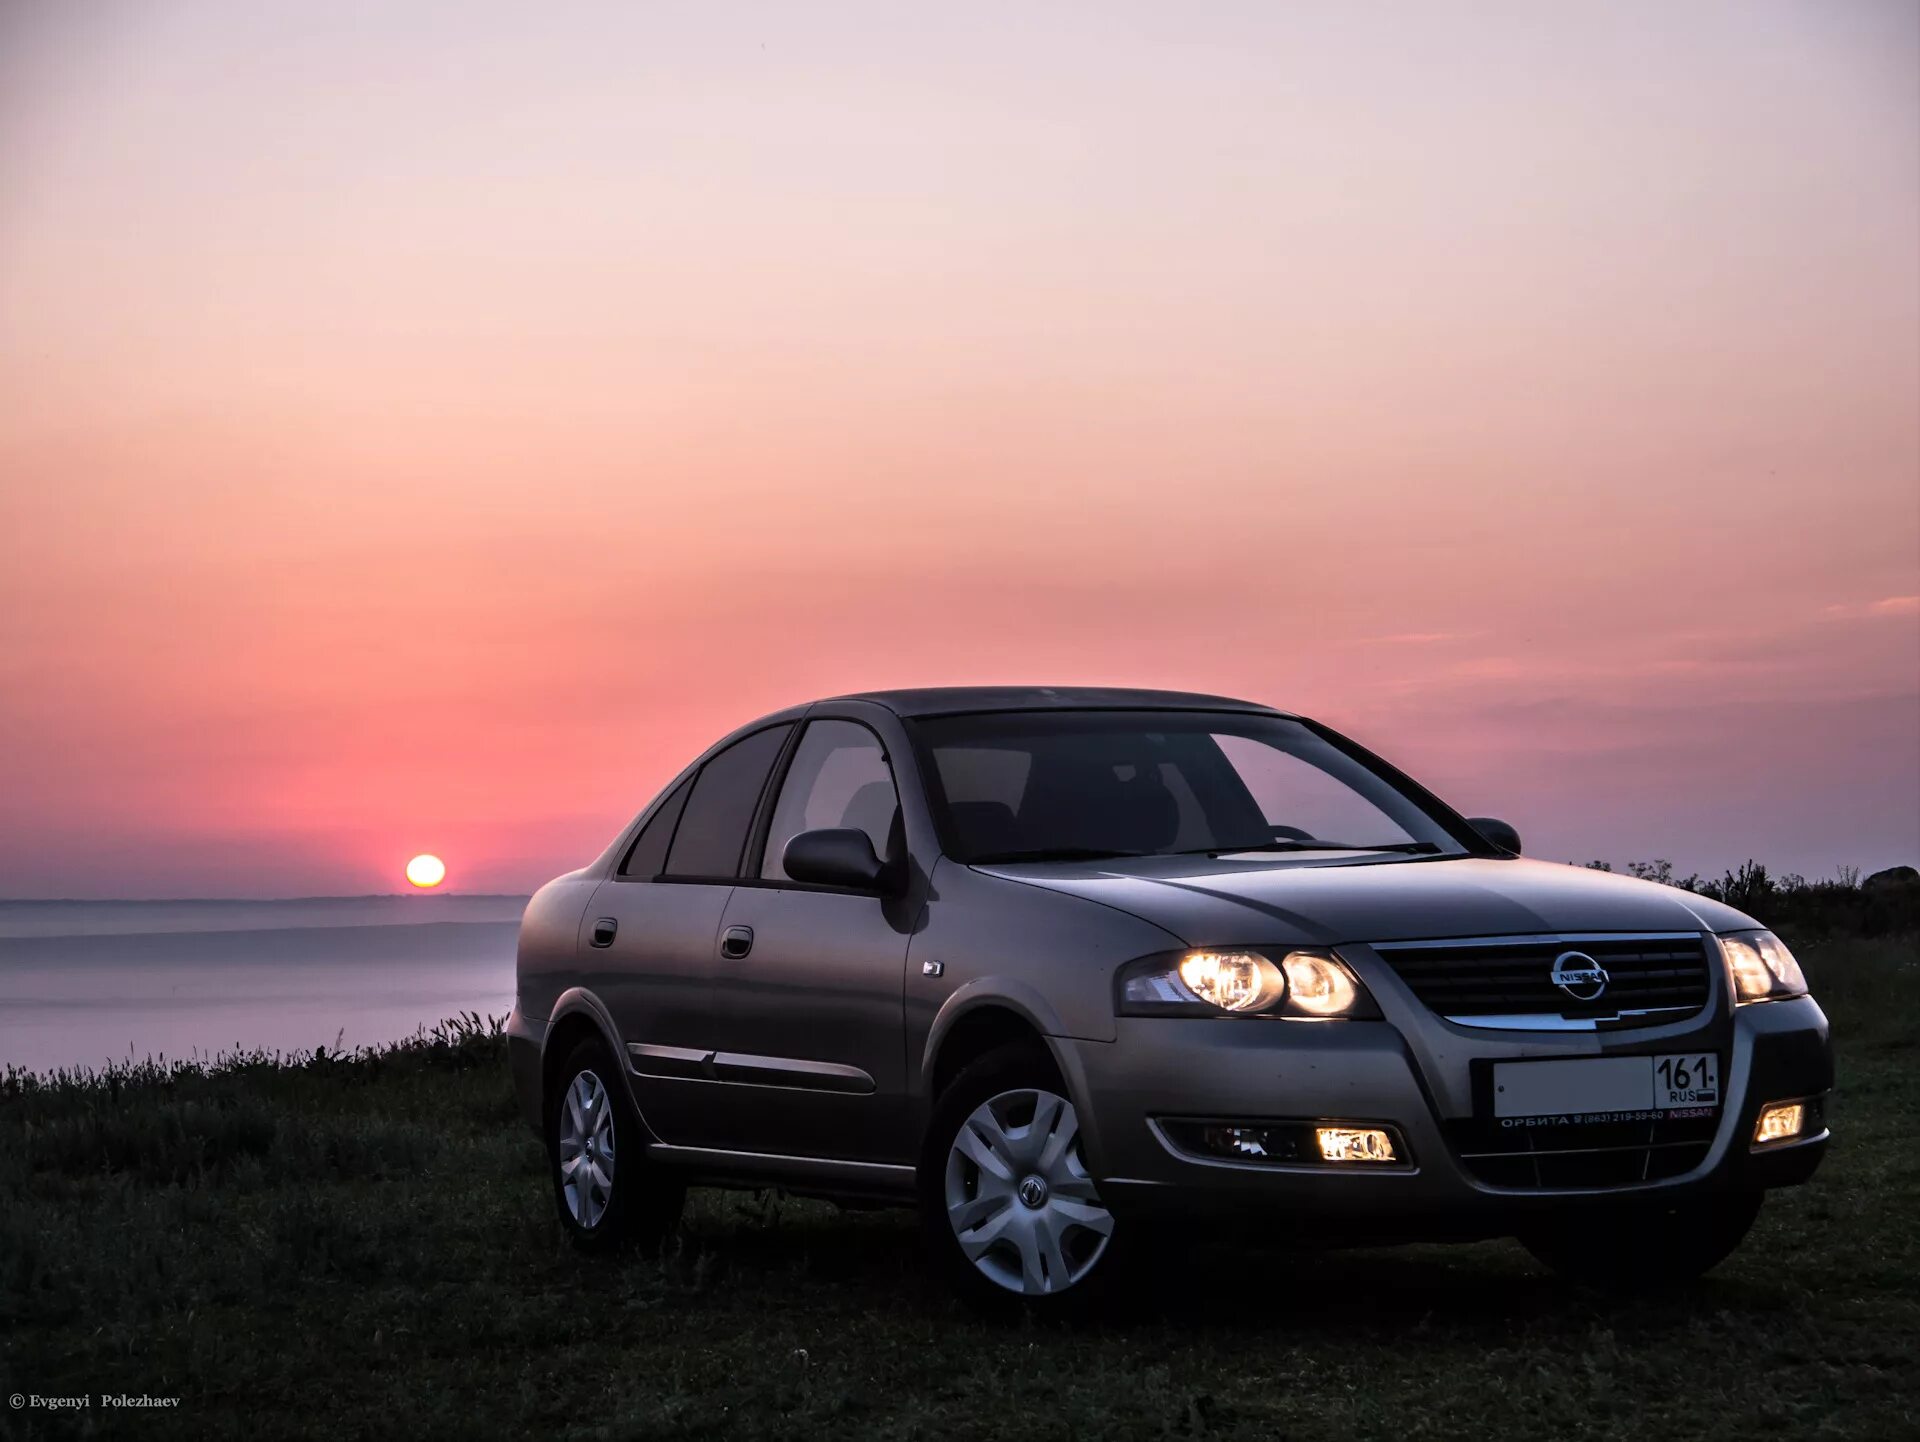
pixel 680 1063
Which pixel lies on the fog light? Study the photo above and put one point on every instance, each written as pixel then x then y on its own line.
pixel 1779 1122
pixel 1249 1143
pixel 1282 1143
pixel 1354 1144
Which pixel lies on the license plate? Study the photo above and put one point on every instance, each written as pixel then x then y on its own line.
pixel 1615 1087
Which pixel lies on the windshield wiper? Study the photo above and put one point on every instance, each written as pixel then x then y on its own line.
pixel 1056 853
pixel 1405 848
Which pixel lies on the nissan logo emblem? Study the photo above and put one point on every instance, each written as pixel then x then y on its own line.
pixel 1579 976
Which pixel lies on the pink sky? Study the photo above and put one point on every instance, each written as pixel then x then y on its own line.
pixel 424 428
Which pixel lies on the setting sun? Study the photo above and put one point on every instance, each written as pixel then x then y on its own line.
pixel 426 870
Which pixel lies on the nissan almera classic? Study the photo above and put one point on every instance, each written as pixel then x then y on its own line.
pixel 1059 966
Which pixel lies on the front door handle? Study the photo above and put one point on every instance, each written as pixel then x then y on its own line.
pixel 736 942
pixel 603 931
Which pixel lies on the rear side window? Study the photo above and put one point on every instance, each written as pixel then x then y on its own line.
pixel 719 810
pixel 648 854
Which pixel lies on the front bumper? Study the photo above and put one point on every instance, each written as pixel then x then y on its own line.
pixel 1415 1074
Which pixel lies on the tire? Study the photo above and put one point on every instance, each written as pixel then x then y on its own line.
pixel 1009 1212
pixel 1642 1249
pixel 607 1194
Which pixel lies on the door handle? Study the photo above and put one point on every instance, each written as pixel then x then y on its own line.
pixel 736 942
pixel 603 931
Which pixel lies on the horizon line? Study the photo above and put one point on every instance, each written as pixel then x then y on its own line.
pixel 255 900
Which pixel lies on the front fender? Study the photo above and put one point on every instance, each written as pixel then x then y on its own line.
pixel 1009 993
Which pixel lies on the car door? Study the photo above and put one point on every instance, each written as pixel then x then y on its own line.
pixel 650 937
pixel 809 997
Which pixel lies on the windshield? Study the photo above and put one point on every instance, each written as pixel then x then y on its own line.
pixel 1060 785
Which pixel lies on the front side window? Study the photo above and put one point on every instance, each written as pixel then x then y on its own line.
pixel 838 777
pixel 713 825
pixel 1044 784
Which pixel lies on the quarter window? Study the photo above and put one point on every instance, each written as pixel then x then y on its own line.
pixel 839 777
pixel 647 857
pixel 713 827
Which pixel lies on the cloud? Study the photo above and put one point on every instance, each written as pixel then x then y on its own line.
pixel 1873 610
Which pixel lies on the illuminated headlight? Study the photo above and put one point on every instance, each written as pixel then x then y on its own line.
pixel 1319 985
pixel 1232 980
pixel 1761 968
pixel 1304 985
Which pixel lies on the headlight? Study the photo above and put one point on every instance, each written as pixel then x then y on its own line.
pixel 1233 980
pixel 1241 982
pixel 1761 968
pixel 1319 985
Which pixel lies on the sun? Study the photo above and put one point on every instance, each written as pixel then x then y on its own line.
pixel 426 871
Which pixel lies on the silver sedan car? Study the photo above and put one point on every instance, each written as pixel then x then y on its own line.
pixel 1060 966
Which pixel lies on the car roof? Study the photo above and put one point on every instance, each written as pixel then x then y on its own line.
pixel 959 700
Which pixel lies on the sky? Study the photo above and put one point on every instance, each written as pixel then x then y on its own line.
pixel 427 427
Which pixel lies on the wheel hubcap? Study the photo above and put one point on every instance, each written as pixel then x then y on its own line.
pixel 1024 1146
pixel 586 1149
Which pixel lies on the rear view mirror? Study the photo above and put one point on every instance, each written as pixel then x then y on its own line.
pixel 835 856
pixel 1498 832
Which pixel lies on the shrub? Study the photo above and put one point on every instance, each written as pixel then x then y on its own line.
pixel 1790 903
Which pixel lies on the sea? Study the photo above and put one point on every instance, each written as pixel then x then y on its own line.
pixel 86 983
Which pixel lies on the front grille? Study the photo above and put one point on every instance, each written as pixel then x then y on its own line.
pixel 1501 977
pixel 1612 1154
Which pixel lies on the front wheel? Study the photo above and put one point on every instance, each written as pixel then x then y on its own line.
pixel 1006 1200
pixel 1638 1249
pixel 606 1193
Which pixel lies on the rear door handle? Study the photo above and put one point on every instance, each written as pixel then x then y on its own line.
pixel 736 942
pixel 603 931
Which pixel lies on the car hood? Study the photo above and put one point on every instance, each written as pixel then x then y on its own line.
pixel 1317 901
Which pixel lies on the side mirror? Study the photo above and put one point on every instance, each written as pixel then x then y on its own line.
pixel 1498 832
pixel 835 856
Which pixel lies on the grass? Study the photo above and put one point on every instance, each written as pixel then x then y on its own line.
pixel 363 1246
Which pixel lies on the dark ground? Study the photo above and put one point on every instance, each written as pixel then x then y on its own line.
pixel 365 1248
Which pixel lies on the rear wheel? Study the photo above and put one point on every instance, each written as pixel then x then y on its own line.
pixel 607 1194
pixel 1006 1200
pixel 1643 1249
